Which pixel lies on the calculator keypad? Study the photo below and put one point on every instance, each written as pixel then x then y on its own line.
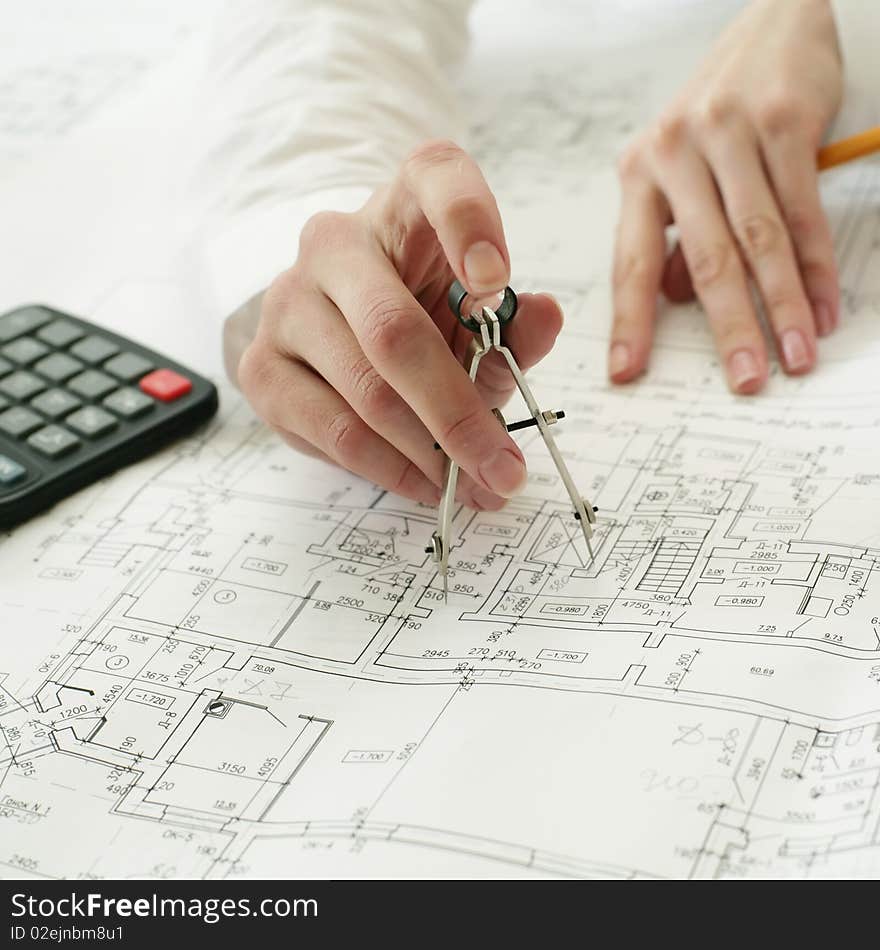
pixel 166 385
pixel 128 366
pixel 10 471
pixel 92 384
pixel 94 349
pixel 22 321
pixel 60 333
pixel 66 388
pixel 53 441
pixel 129 403
pixel 58 367
pixel 56 403
pixel 25 350
pixel 91 421
pixel 19 422
pixel 21 385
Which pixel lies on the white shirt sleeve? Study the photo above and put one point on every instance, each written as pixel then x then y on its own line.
pixel 308 105
pixel 858 29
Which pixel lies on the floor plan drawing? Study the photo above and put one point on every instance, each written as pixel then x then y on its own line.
pixel 230 661
pixel 253 674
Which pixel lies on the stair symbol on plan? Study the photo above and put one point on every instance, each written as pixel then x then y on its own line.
pixel 670 566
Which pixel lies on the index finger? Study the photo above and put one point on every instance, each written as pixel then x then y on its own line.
pixel 452 193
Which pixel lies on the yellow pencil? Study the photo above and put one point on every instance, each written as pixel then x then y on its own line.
pixel 847 150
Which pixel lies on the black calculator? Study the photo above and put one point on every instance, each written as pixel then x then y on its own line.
pixel 78 402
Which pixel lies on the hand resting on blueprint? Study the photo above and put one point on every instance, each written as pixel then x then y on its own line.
pixel 357 357
pixel 732 163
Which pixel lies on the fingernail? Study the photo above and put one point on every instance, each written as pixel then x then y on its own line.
pixel 825 321
pixel 486 500
pixel 794 351
pixel 743 371
pixel 484 268
pixel 504 473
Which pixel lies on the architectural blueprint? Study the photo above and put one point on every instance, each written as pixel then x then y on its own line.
pixel 230 661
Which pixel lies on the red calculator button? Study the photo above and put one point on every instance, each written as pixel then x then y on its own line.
pixel 165 384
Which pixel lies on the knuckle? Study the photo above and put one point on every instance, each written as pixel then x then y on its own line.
pixel 758 234
pixel 464 211
pixel 815 271
pixel 323 231
pixel 629 162
pixel 632 270
pixel 372 393
pixel 345 436
pixel 780 112
pixel 669 134
pixel 813 243
pixel 388 325
pixel 732 332
pixel 781 298
pixel 804 224
pixel 259 380
pixel 280 293
pixel 254 371
pixel 432 153
pixel 406 480
pixel 716 111
pixel 465 433
pixel 707 264
pixel 731 335
pixel 628 327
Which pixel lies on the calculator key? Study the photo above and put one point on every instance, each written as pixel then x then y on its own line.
pixel 91 421
pixel 21 385
pixel 10 471
pixel 166 385
pixel 60 333
pixel 19 421
pixel 128 366
pixel 53 441
pixel 91 384
pixel 25 350
pixel 128 402
pixel 23 321
pixel 58 367
pixel 55 403
pixel 94 349
pixel 5 366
